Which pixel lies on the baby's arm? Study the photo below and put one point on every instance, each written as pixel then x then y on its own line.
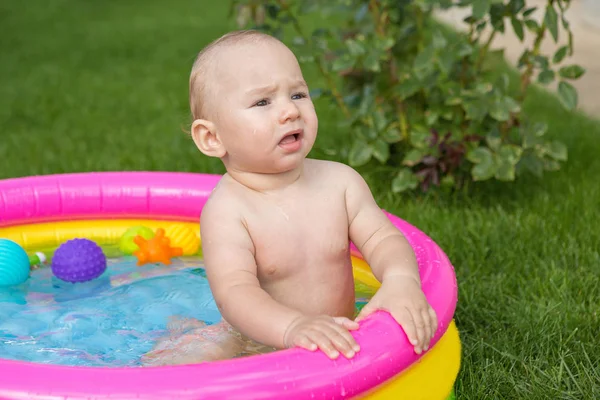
pixel 232 274
pixel 393 263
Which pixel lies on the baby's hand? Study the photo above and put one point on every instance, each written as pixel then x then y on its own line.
pixel 330 334
pixel 402 297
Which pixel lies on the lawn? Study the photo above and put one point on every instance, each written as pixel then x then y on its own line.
pixel 102 85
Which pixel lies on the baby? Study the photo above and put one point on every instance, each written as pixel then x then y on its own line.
pixel 276 229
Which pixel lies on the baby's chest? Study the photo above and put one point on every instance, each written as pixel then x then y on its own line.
pixel 298 235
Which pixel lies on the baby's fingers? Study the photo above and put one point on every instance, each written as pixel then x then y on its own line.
pixel 324 343
pixel 342 339
pixel 407 322
pixel 430 326
pixel 434 321
pixel 346 323
pixel 305 342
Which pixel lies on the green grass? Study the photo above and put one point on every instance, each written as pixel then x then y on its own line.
pixel 99 86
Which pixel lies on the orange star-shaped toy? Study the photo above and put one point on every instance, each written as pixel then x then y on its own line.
pixel 157 249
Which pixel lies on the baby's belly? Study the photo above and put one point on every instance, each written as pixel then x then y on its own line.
pixel 331 295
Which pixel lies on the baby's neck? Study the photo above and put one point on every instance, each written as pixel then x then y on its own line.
pixel 267 182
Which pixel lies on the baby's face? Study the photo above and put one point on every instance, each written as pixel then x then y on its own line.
pixel 261 108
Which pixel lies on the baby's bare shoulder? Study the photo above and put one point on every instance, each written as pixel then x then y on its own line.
pixel 224 203
pixel 332 171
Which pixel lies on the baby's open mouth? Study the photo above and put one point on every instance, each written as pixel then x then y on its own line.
pixel 290 138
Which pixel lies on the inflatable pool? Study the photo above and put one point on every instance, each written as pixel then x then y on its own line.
pixel 45 211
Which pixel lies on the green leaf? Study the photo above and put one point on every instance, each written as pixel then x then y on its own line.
pixel 560 54
pixel 551 20
pixel 542 62
pixel 502 82
pixel 370 132
pixel 567 95
pixel 516 6
pixel 476 110
pixel 502 107
pixel 484 87
pixel 510 153
pixel 539 129
pixel 298 41
pixel 505 171
pixel 547 76
pixel 533 164
pixel 380 120
pixel 408 88
pixel 360 153
pixel 533 136
pixel 445 62
pixel 565 22
pixel 480 155
pixel 484 167
pixel 524 58
pixel 498 111
pixel 404 180
pixel 317 92
pixel 424 59
pixel 381 150
pixel 453 101
pixel 413 157
pixel 306 58
pixel 431 117
pixel 307 7
pixel 463 49
pixel 481 8
pixel 361 12
pixel 371 63
pixel 355 47
pixel 273 10
pixel 518 28
pixel 481 26
pixel 551 165
pixel 439 41
pixel 419 137
pixel 391 135
pixel 529 11
pixel 532 25
pixel 571 72
pixel 497 14
pixel 343 62
pixel 385 43
pixel 493 139
pixel 558 151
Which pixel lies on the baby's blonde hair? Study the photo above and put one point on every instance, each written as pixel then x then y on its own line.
pixel 198 76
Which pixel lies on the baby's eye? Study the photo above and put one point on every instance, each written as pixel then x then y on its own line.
pixel 298 96
pixel 261 103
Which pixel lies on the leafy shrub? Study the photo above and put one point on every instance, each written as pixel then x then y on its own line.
pixel 421 99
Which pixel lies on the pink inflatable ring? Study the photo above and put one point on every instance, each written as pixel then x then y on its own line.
pixel 386 367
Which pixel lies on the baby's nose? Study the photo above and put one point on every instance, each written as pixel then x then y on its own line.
pixel 290 111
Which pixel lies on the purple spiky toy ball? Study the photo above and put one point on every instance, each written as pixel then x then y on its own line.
pixel 78 260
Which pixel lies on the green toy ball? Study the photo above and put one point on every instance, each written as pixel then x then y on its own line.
pixel 126 243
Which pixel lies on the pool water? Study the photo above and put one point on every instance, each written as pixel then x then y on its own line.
pixel 110 321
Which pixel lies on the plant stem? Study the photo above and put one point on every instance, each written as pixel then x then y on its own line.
pixel 380 28
pixel 484 50
pixel 526 77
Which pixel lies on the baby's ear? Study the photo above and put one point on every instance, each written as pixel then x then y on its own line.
pixel 206 138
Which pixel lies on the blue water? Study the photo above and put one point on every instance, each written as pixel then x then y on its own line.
pixel 110 321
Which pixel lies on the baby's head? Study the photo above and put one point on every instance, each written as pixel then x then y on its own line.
pixel 250 104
